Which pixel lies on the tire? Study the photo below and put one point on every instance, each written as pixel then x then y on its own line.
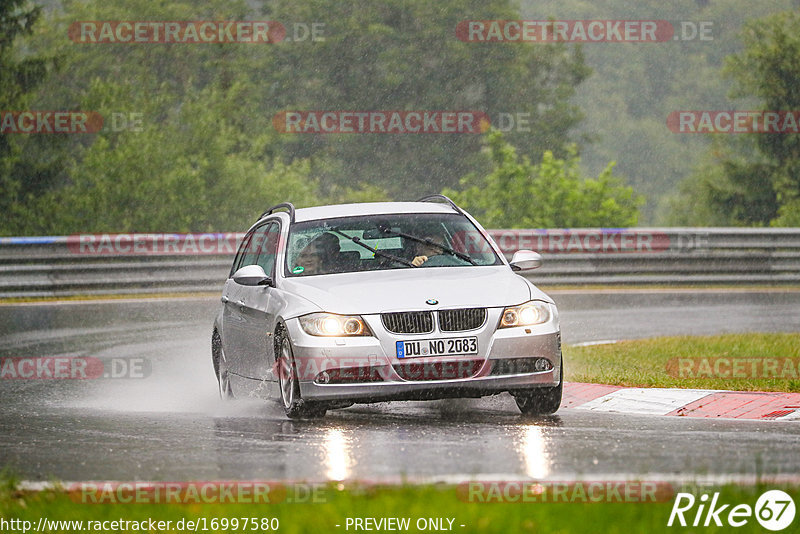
pixel 221 368
pixel 293 404
pixel 541 401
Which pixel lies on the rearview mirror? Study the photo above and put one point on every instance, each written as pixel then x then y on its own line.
pixel 252 275
pixel 379 233
pixel 525 260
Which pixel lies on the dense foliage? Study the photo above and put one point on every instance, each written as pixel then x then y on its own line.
pixel 189 142
pixel 203 153
pixel 552 193
pixel 635 86
pixel 754 179
pixel 18 77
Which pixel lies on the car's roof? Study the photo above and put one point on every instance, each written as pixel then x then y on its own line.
pixel 369 208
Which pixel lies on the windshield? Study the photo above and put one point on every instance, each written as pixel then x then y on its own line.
pixel 378 242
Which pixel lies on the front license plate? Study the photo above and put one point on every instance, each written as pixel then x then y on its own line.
pixel 451 346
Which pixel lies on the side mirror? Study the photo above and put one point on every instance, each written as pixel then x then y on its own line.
pixel 525 260
pixel 252 275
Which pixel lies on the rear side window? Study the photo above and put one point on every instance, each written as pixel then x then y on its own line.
pixel 269 249
pixel 252 246
pixel 237 261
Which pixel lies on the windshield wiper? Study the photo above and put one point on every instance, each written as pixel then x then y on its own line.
pixel 357 240
pixel 428 241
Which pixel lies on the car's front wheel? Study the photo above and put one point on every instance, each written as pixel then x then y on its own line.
pixel 293 404
pixel 541 401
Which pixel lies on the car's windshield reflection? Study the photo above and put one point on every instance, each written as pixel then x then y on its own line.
pixel 371 243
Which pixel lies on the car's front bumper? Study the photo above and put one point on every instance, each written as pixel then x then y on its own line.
pixel 316 354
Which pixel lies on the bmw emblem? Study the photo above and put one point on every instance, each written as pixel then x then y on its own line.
pixel 432 302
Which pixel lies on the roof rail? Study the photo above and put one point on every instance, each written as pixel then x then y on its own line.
pixel 435 198
pixel 288 205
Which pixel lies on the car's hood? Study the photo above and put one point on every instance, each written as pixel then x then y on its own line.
pixel 409 289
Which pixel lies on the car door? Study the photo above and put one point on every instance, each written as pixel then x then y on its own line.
pixel 234 297
pixel 258 317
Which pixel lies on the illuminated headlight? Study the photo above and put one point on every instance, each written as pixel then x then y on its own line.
pixel 533 312
pixel 329 324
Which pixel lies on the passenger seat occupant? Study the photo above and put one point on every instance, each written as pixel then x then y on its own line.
pixel 318 256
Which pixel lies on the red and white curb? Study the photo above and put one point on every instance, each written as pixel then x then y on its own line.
pixel 683 402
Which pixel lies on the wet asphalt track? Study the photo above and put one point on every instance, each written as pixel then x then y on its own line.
pixel 171 425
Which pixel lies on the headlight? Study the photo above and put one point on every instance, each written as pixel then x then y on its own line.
pixel 533 312
pixel 329 324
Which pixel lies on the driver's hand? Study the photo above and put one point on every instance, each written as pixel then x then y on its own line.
pixel 419 260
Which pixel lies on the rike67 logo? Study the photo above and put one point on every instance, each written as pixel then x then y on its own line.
pixel 774 510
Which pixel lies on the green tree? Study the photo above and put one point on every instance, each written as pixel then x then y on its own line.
pixel 192 171
pixel 204 157
pixel 553 193
pixel 404 55
pixel 729 187
pixel 754 179
pixel 635 86
pixel 768 69
pixel 19 75
pixel 207 150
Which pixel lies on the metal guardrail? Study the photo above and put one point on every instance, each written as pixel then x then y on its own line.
pixel 179 263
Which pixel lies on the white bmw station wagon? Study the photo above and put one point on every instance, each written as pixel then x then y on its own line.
pixel 329 306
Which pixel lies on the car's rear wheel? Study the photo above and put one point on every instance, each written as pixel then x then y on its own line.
pixel 221 368
pixel 293 403
pixel 541 401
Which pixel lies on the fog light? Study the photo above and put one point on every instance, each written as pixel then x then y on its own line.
pixel 541 365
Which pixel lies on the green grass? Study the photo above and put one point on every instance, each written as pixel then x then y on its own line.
pixel 647 362
pixel 413 502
